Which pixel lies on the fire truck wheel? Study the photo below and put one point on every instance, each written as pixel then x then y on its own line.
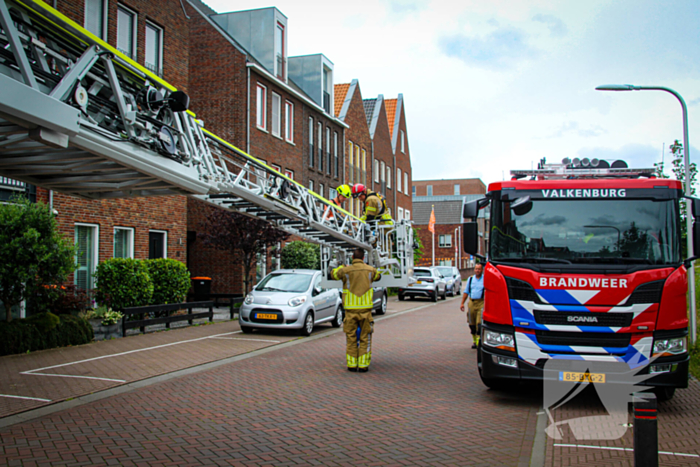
pixel 664 394
pixel 493 383
pixel 401 298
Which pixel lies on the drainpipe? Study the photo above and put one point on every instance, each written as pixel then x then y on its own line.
pixel 396 207
pixel 247 113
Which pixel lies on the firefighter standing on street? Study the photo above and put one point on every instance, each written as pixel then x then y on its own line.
pixel 357 302
pixel 374 205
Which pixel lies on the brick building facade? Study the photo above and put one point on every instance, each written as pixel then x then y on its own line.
pixel 449 187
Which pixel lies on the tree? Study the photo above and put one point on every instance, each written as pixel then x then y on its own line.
pixel 229 231
pixel 300 255
pixel 33 253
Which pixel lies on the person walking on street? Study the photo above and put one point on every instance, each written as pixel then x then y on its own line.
pixel 357 302
pixel 474 292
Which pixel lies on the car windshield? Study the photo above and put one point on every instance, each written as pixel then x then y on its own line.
pixel 447 272
pixel 631 231
pixel 422 273
pixel 285 283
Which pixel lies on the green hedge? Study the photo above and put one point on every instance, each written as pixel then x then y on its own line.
pixel 171 281
pixel 123 283
pixel 300 255
pixel 43 331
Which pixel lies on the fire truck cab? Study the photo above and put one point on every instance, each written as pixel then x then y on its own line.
pixel 584 263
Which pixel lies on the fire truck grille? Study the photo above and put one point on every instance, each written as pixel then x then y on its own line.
pixel 579 319
pixel 646 293
pixel 521 290
pixel 585 339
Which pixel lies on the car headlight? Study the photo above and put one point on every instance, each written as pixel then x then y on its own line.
pixel 248 299
pixel 296 301
pixel 450 282
pixel 499 340
pixel 670 347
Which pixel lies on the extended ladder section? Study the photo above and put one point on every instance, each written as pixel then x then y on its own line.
pixel 79 117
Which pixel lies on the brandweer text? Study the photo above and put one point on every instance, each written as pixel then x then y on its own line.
pixel 580 282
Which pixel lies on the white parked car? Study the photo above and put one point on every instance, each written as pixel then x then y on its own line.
pixel 427 282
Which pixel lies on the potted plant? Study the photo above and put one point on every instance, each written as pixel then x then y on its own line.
pixel 105 322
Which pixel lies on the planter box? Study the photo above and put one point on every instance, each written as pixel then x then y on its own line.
pixel 103 332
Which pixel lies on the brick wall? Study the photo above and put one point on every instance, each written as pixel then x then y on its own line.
pixel 445 253
pixel 315 173
pixel 468 186
pixel 403 162
pixel 383 152
pixel 358 134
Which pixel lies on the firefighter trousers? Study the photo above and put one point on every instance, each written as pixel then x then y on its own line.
pixel 358 356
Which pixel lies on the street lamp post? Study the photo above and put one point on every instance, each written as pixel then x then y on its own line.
pixel 686 160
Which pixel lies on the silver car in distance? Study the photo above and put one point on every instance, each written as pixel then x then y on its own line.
pixel 291 299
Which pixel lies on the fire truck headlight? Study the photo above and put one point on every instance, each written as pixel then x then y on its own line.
pixel 670 347
pixel 499 340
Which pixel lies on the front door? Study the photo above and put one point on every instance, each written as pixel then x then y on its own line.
pixel 156 245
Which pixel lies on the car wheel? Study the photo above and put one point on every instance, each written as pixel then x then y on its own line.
pixel 434 296
pixel 246 329
pixel 444 294
pixel 401 298
pixel 382 307
pixel 664 394
pixel 308 327
pixel 338 320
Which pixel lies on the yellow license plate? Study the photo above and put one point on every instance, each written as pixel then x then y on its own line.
pixel 419 282
pixel 266 316
pixel 573 376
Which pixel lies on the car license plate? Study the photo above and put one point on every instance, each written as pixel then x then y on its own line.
pixel 266 316
pixel 573 376
pixel 419 282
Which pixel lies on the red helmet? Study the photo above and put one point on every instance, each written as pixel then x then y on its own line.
pixel 357 189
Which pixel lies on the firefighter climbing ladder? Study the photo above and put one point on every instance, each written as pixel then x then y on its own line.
pixel 79 117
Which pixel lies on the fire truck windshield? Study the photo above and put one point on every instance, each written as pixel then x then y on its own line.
pixel 629 231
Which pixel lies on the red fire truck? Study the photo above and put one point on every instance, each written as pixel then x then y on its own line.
pixel 584 264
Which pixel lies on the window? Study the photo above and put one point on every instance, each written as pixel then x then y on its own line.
pixel 398 179
pixel 429 190
pixel 86 255
pixel 289 121
pixel 364 167
pixel 332 193
pixel 279 51
pixel 407 215
pixel 376 171
pixel 388 177
pixel 335 154
pixel 320 146
pixel 311 185
pixel 311 142
pixel 321 189
pixel 403 147
pixel 261 115
pixel 157 244
pixel 276 167
pixel 126 31
pixel 154 48
pixel 351 170
pixel 289 173
pixel 276 114
pixel 382 170
pixel 400 213
pixel 413 190
pixel 328 150
pixel 456 188
pixel 123 242
pixel 405 184
pixel 358 175
pixel 96 17
pixel 445 241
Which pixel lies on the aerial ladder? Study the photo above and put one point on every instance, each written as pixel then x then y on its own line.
pixel 79 117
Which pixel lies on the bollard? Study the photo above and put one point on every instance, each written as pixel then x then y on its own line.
pixel 646 440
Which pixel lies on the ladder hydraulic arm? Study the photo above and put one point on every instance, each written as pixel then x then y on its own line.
pixel 80 117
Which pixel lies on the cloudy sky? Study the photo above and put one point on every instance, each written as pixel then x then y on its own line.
pixel 494 86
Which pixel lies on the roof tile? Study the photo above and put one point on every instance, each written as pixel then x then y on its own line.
pixel 391 113
pixel 340 90
pixel 369 109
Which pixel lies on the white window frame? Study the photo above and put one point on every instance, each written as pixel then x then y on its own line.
pixel 400 210
pixel 95 251
pixel 319 149
pixel 445 241
pixel 388 177
pixel 376 170
pixel 312 148
pixel 398 180
pixel 321 189
pixel 405 183
pixel 165 241
pixel 276 118
pixel 289 173
pixel 289 121
pixel 382 170
pixel 131 240
pixel 261 107
pixel 413 190
pixel 105 12
pixel 335 154
pixel 407 214
pixel 403 147
pixel 276 167
pixel 332 193
pixel 134 31
pixel 160 31
pixel 456 189
pixel 311 185
pixel 429 190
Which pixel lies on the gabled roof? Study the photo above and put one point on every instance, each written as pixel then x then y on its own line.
pixel 340 90
pixel 391 114
pixel 369 109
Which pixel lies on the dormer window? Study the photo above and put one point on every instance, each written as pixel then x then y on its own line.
pixel 280 55
pixel 327 86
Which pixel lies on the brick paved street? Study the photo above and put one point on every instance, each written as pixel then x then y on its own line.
pixel 294 403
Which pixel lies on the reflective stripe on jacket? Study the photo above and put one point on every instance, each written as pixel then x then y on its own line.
pixel 357 284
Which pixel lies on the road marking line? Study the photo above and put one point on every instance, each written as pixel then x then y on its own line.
pixel 74 376
pixel 245 339
pixel 28 398
pixel 610 448
pixel 125 353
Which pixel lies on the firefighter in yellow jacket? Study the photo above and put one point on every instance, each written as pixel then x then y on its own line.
pixel 375 208
pixel 357 301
